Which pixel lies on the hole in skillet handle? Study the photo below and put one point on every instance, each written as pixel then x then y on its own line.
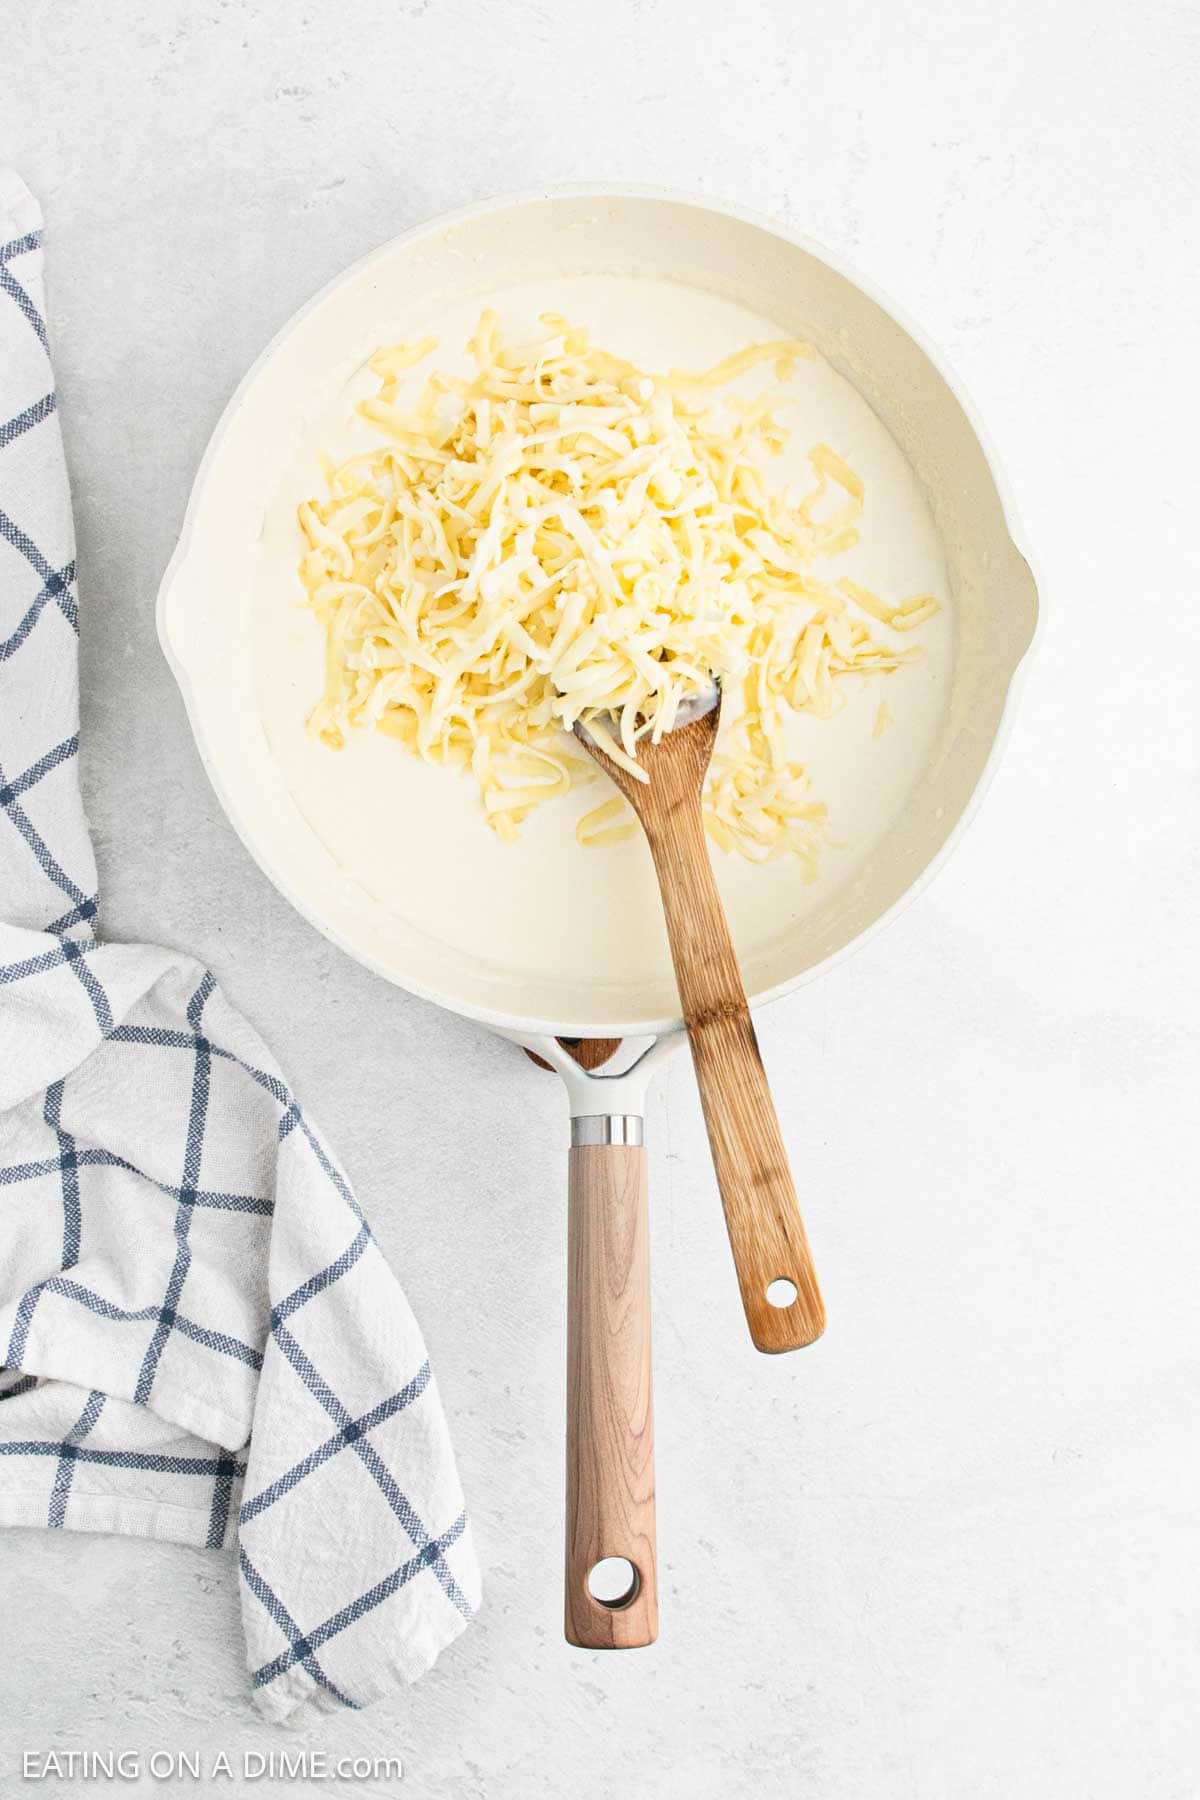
pixel 613 1582
pixel 781 1293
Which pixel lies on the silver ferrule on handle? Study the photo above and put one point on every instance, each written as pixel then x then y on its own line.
pixel 606 1128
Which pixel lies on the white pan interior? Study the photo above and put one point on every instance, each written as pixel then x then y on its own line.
pixel 390 856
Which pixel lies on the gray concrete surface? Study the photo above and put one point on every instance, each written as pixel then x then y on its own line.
pixel 951 1554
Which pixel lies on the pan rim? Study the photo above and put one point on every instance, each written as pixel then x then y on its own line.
pixel 517 1025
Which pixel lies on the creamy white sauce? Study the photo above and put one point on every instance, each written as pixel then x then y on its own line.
pixel 413 835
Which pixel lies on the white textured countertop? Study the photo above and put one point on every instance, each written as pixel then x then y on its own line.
pixel 952 1553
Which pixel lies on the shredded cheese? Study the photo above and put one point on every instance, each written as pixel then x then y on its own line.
pixel 563 537
pixel 610 823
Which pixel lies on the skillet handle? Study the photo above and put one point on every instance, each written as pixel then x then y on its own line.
pixel 610 1408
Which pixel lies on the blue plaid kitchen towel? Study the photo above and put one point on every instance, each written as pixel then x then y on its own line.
pixel 200 1339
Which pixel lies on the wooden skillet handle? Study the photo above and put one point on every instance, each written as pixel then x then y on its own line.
pixel 610 1409
pixel 766 1232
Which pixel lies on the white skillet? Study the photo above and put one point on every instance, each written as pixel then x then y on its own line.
pixel 540 963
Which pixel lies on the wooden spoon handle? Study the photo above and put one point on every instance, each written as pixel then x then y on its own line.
pixel 610 1409
pixel 766 1232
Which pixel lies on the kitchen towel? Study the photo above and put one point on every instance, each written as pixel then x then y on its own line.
pixel 200 1339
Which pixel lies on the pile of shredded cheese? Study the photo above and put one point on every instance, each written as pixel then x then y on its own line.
pixel 562 537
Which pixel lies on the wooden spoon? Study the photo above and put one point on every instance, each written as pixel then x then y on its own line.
pixel 766 1232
